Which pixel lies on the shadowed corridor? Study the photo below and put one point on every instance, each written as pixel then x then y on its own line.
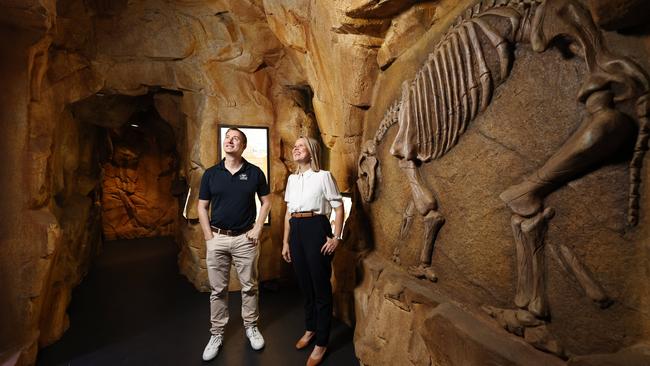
pixel 134 308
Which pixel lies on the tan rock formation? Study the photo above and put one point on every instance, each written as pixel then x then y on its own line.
pixel 587 245
pixel 224 66
pixel 137 198
pixel 314 34
pixel 331 69
pixel 377 9
pixel 638 354
pixel 433 329
pixel 405 29
pixel 613 15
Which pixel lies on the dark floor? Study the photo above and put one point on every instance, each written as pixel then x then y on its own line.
pixel 134 308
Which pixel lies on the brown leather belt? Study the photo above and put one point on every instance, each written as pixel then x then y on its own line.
pixel 229 232
pixel 303 214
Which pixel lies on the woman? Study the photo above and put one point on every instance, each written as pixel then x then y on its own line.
pixel 311 194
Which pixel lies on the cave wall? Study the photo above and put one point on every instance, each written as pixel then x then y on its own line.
pixel 51 212
pixel 137 200
pixel 222 65
pixel 328 69
pixel 139 197
pixel 530 116
pixel 14 254
pixel 340 48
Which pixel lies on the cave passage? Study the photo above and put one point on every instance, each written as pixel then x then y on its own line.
pixel 140 185
pixel 134 308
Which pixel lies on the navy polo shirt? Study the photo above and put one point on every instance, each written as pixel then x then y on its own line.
pixel 232 196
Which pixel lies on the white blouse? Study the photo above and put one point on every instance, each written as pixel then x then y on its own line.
pixel 312 191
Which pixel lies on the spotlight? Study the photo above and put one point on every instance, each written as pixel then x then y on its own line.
pixel 135 125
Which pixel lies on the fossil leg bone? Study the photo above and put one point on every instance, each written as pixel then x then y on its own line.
pixel 601 133
pixel 531 275
pixel 583 276
pixel 531 299
pixel 368 165
pixel 405 227
pixel 426 205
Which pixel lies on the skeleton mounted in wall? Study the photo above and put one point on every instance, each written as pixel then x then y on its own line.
pixel 456 83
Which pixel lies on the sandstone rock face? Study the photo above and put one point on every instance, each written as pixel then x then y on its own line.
pixel 321 38
pixel 50 214
pixel 137 200
pixel 405 29
pixel 433 329
pixel 78 70
pixel 638 354
pixel 79 67
pixel 140 171
pixel 530 116
pixel 620 14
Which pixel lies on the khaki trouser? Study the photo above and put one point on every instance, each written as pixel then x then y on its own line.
pixel 243 253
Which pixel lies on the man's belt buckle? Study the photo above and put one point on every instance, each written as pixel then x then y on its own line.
pixel 228 232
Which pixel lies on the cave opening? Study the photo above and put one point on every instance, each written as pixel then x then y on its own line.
pixel 141 187
pixel 139 184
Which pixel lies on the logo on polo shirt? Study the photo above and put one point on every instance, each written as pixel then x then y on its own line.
pixel 243 177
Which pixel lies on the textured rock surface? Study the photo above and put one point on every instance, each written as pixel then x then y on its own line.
pixel 140 184
pixel 636 355
pixel 620 14
pixel 404 30
pixel 50 215
pixel 137 198
pixel 204 63
pixel 320 38
pixel 531 114
pixel 433 329
pixel 327 69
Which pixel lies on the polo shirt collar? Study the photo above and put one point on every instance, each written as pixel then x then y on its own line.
pixel 244 165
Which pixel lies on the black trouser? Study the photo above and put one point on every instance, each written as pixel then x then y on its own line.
pixel 313 269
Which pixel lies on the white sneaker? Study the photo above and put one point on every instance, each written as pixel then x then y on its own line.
pixel 212 348
pixel 255 337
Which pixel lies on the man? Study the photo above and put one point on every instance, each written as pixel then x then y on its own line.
pixel 232 235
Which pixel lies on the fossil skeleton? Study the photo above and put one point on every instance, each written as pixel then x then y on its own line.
pixel 457 82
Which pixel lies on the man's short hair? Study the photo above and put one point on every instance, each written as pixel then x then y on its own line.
pixel 243 135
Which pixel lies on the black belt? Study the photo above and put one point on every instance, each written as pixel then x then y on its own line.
pixel 229 232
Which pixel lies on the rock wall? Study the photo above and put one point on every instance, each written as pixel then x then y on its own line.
pixel 224 62
pixel 330 69
pixel 339 48
pixel 138 182
pixel 14 230
pixel 318 42
pixel 532 114
pixel 73 66
pixel 51 212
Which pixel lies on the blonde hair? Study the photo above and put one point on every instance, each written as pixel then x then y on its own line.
pixel 313 146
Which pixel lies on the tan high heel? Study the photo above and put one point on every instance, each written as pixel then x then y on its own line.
pixel 305 340
pixel 313 361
